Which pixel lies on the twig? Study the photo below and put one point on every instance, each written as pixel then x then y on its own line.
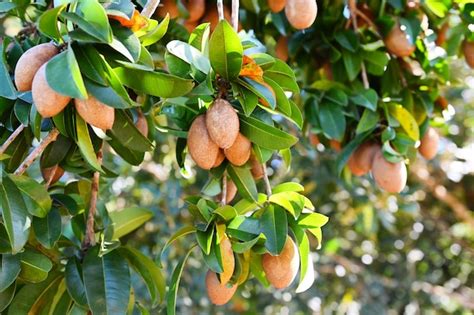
pixel 53 134
pixel 12 138
pixel 51 175
pixel 220 9
pixel 224 189
pixel 268 187
pixel 235 14
pixel 353 11
pixel 150 8
pixel 89 239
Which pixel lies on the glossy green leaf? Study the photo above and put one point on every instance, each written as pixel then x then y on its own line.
pixel 10 270
pixel 75 282
pixel 36 195
pixel 199 37
pixel 85 144
pixel 6 296
pixel 48 229
pixel 283 75
pixel 366 98
pixel 242 178
pixel 174 284
pixel 312 220
pixel 352 64
pixel 306 262
pixel 248 100
pixel 157 33
pixel 126 43
pixel 332 120
pixel 7 89
pixel 34 266
pixel 262 91
pixel 106 95
pixel 368 121
pixel 190 55
pixel 226 212
pixel 274 226
pixel 225 51
pixel 48 22
pixel 185 230
pixel 94 14
pixel 128 220
pixel 125 131
pixel 264 135
pixel 289 186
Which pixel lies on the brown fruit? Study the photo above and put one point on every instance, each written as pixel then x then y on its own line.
pixel 222 123
pixel 212 16
pixel 219 159
pixel 281 270
pixel 468 49
pixel 239 152
pixel 231 191
pixel 362 158
pixel 314 139
pixel 391 177
pixel 190 26
pixel 364 9
pixel 200 145
pixel 397 43
pixel 30 62
pixel 227 254
pixel 276 5
pixel 168 7
pixel 442 34
pixel 442 102
pixel 257 168
pixel 95 112
pixel 196 9
pixel 429 144
pixel 47 101
pixel 218 293
pixel 281 48
pixel 301 13
pixel 327 70
pixel 142 124
pixel 52 174
pixel 335 145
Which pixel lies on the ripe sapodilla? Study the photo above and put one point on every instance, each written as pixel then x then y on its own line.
pixel 429 144
pixel 196 9
pixel 362 158
pixel 281 48
pixel 47 101
pixel 276 5
pixel 200 145
pixel 95 112
pixel 218 293
pixel 239 152
pixel 468 50
pixel 30 62
pixel 231 191
pixel 397 43
pixel 228 262
pixel 281 270
pixel 256 168
pixel 301 13
pixel 222 123
pixel 391 177
pixel 219 159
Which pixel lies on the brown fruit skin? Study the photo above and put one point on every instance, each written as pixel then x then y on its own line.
pixel 228 262
pixel 52 174
pixel 397 43
pixel 442 102
pixel 47 101
pixel 335 145
pixel 170 7
pixel 442 34
pixel 391 177
pixel 222 123
pixel 276 5
pixel 196 9
pixel 200 145
pixel 281 270
pixel 95 112
pixel 190 26
pixel 231 191
pixel 281 48
pixel 219 159
pixel 142 124
pixel 218 293
pixel 362 158
pixel 257 168
pixel 239 153
pixel 468 50
pixel 301 13
pixel 429 144
pixel 30 62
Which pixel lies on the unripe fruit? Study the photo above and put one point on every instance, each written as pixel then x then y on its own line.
pixel 200 145
pixel 257 168
pixel 468 49
pixel 362 158
pixel 95 112
pixel 218 293
pixel 222 123
pixel 281 48
pixel 391 177
pixel 142 124
pixel 52 174
pixel 281 270
pixel 228 262
pixel 30 62
pixel 239 152
pixel 301 13
pixel 219 159
pixel 397 43
pixel 47 101
pixel 276 5
pixel 196 9
pixel 170 7
pixel 429 144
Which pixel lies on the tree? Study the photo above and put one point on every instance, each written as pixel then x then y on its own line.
pixel 91 88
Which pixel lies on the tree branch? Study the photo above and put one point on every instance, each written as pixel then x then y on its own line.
pixel 353 11
pixel 268 187
pixel 224 189
pixel 52 136
pixel 150 8
pixel 235 14
pixel 11 138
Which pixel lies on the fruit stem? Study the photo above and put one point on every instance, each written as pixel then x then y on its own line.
pixel 89 239
pixel 220 9
pixel 53 134
pixel 224 189
pixel 268 187
pixel 353 10
pixel 235 14
pixel 11 138
pixel 150 8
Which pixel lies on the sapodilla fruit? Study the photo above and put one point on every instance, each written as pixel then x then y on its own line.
pixel 142 124
pixel 228 262
pixel 281 270
pixel 219 159
pixel 168 7
pixel 222 123
pixel 281 48
pixel 468 50
pixel 239 152
pixel 196 9
pixel 429 144
pixel 30 62
pixel 95 112
pixel 231 191
pixel 47 101
pixel 301 13
pixel 218 293
pixel 362 158
pixel 397 42
pixel 256 168
pixel 391 177
pixel 52 174
pixel 200 145
pixel 276 5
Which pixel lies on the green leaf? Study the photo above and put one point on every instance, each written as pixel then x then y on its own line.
pixel 125 131
pixel 248 100
pixel 406 120
pixel 149 272
pixel 375 61
pixel 190 55
pixel 64 76
pixel 107 282
pixel 289 200
pixel 283 75
pixel 310 220
pixel 75 282
pixel 85 144
pixel 369 120
pixel 352 63
pixel 306 262
pixel 174 284
pixel 242 178
pixel 94 14
pixel 262 91
pixel 34 193
pixel 199 38
pixel 106 95
pixel 332 120
pixel 7 89
pixel 225 51
pixel 264 135
pixel 6 296
pixel 264 61
pixel 10 270
pixel 257 270
pixel 289 186
pixel 48 230
pixel 242 247
pixel 366 98
pixel 48 22
pixel 157 33
pixel 128 220
pixel 337 96
pixel 126 43
pixel 185 230
pixel 226 212
pixel 274 226
pixel 34 266
pixel 243 228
